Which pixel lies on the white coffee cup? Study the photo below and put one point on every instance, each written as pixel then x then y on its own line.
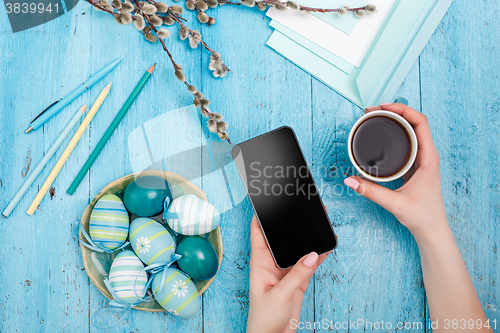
pixel 413 140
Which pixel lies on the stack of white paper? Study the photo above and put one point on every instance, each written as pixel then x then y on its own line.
pixel 365 59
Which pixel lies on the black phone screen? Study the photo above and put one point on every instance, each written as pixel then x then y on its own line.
pixel 284 196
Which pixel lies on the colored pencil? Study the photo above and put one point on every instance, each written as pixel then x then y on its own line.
pixel 64 157
pixel 43 162
pixel 78 179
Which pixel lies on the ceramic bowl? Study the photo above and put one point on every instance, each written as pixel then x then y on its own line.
pixel 97 265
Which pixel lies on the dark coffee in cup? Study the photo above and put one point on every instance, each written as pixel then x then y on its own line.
pixel 381 146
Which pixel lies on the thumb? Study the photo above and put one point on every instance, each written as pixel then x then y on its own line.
pixel 300 273
pixel 374 192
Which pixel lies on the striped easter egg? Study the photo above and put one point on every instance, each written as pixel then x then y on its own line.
pixel 151 241
pixel 124 270
pixel 109 222
pixel 194 216
pixel 179 295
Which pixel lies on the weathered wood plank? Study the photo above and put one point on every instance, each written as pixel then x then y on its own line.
pixel 43 286
pixel 460 81
pixel 376 265
pixel 162 94
pixel 263 91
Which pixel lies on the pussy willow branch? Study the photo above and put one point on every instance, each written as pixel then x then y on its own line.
pixel 229 2
pixel 178 16
pixel 97 5
pixel 196 8
pixel 209 113
pixel 161 40
pixel 201 41
pixel 311 9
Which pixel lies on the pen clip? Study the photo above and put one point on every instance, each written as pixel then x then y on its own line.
pixel 45 110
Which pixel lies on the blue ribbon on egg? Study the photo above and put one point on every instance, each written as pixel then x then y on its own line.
pixel 153 270
pixel 169 215
pixel 117 305
pixel 96 246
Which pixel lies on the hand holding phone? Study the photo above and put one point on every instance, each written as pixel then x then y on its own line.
pixel 276 295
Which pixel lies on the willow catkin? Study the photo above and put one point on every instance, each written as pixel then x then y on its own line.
pixel 148 9
pixel 139 22
pixel 177 10
pixel 150 38
pixel 212 125
pixel 202 17
pixel 180 75
pixel 161 7
pixel 126 18
pixel 163 33
pixel 155 20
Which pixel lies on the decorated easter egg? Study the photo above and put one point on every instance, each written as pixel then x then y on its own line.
pixel 199 259
pixel 151 241
pixel 192 216
pixel 124 270
pixel 109 222
pixel 145 195
pixel 179 295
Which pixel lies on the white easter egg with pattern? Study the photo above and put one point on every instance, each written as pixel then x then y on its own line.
pixel 126 267
pixel 193 216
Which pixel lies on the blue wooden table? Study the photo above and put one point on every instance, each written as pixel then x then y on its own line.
pixel 375 272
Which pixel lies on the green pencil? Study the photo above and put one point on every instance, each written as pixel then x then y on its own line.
pixel 110 130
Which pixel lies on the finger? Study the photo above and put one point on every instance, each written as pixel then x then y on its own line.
pixel 321 258
pixel 300 274
pixel 259 259
pixel 257 240
pixel 374 192
pixel 426 150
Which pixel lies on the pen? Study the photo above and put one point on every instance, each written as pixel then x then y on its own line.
pixel 56 107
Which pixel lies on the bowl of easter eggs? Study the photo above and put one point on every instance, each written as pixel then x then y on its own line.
pixel 148 219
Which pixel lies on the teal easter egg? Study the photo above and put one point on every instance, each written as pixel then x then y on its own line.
pixel 126 267
pixel 151 241
pixel 145 195
pixel 179 295
pixel 193 216
pixel 109 222
pixel 199 259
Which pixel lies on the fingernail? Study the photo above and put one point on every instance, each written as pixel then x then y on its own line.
pixel 352 183
pixel 384 104
pixel 310 260
pixel 371 108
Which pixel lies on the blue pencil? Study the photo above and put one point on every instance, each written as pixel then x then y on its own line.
pixel 55 108
pixel 79 114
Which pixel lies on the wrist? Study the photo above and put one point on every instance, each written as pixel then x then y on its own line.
pixel 433 234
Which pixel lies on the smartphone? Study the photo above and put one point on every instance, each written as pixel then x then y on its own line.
pixel 284 196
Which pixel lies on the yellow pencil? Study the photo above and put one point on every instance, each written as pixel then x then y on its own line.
pixel 71 145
